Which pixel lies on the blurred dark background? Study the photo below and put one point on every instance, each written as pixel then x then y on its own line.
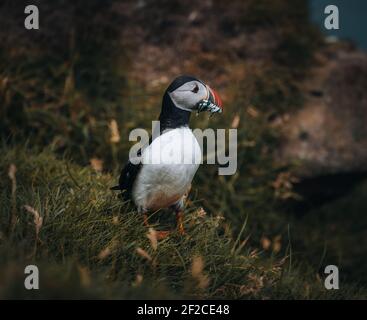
pixel 352 19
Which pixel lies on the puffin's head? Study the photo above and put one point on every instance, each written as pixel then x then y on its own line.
pixel 190 94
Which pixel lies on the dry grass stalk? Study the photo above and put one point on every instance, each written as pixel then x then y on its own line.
pixel 277 243
pixel 11 173
pixel 114 130
pixel 254 285
pixel 107 251
pixel 152 236
pixel 197 268
pixel 37 219
pixel 141 252
pixel 283 186
pixel 265 243
pixel 235 121
pixel 138 281
pixel 252 112
pixel 96 164
pixel 84 276
pixel 115 220
pixel 201 213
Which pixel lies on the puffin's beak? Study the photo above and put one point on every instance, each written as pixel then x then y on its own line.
pixel 212 102
pixel 214 97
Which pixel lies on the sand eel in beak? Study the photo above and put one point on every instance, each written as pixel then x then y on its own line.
pixel 169 163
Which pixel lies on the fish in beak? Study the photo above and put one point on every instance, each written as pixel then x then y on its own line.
pixel 212 103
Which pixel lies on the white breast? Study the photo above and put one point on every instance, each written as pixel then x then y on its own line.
pixel 169 165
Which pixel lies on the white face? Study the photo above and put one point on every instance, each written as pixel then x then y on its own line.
pixel 189 95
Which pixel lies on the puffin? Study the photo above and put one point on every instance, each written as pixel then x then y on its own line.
pixel 163 176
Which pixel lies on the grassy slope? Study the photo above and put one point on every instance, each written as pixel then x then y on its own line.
pixel 87 244
pixel 81 218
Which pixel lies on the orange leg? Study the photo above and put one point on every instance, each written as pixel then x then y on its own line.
pixel 179 223
pixel 145 217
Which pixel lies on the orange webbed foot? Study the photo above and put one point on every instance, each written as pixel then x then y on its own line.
pixel 161 235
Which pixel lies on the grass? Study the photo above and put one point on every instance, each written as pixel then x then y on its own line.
pixel 85 223
pixel 91 244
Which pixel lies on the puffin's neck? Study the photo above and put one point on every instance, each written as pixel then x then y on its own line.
pixel 172 117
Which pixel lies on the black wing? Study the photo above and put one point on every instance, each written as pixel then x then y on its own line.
pixel 128 176
pixel 127 179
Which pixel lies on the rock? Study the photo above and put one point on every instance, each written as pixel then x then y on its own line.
pixel 329 134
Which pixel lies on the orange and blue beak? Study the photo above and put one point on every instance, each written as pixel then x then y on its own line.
pixel 212 102
pixel 214 97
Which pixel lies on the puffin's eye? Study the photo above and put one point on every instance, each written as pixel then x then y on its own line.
pixel 195 89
